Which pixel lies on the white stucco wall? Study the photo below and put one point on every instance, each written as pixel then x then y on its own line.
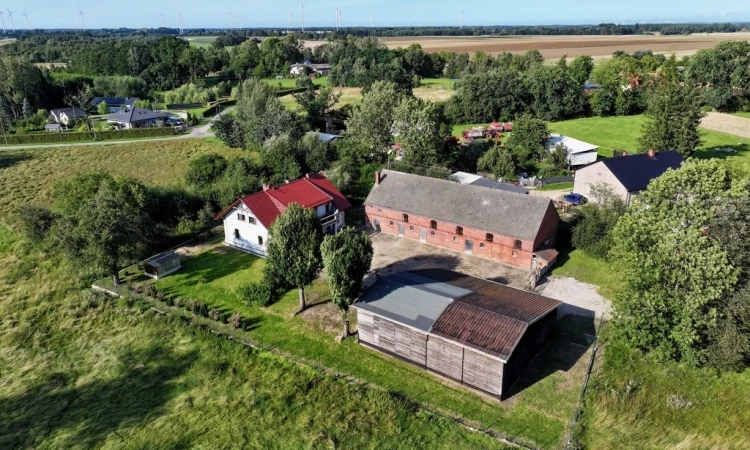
pixel 249 233
pixel 598 173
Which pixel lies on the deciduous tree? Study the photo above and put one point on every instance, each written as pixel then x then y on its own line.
pixel 416 125
pixel 347 257
pixel 371 122
pixel 499 162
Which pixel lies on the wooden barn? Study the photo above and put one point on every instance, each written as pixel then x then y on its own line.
pixel 476 332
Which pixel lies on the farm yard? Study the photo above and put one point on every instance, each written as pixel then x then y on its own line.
pixel 554 47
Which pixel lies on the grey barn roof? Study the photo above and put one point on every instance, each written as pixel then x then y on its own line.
pixel 504 213
pixel 135 115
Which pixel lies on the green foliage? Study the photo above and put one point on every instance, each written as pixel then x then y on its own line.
pixel 53 138
pixel 417 126
pixel 371 122
pixel 675 274
pixel 499 162
pixel 555 96
pixel 673 117
pixel 319 155
pixel 261 115
pixel 36 222
pixel 205 169
pixel 729 340
pixel 580 69
pixel 347 256
pixel 293 250
pixel 528 140
pixel 229 131
pixel 316 104
pixel 595 221
pixel 719 71
pixel 488 96
pixel 280 159
pixel 120 86
pixel 192 93
pixel 255 293
pixel 102 108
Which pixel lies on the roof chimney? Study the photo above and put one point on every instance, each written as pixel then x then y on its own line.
pixel 307 175
pixel 652 153
pixel 377 178
pixel 267 187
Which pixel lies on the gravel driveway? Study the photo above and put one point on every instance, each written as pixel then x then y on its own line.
pixel 579 298
pixel 727 123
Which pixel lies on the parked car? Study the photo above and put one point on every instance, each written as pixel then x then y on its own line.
pixel 575 199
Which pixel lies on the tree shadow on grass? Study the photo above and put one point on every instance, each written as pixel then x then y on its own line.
pixel 215 264
pixel 8 159
pixel 85 415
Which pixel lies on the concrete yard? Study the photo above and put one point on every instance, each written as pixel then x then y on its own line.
pixel 393 254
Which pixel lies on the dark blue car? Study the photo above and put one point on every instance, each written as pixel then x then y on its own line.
pixel 575 199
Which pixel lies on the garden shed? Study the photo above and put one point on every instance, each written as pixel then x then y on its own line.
pixel 162 265
pixel 479 333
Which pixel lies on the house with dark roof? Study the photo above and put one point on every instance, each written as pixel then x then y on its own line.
pixel 247 220
pixel 64 116
pixel 114 103
pixel 517 229
pixel 136 118
pixel 626 175
pixel 479 333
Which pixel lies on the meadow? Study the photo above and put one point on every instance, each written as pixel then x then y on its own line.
pixel 200 41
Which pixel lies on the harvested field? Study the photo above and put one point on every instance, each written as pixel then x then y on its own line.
pixel 727 123
pixel 553 47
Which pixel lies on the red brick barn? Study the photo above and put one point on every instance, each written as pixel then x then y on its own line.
pixel 514 228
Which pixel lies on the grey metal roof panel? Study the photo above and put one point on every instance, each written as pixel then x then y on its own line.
pixel 504 213
pixel 635 172
pixel 484 182
pixel 135 115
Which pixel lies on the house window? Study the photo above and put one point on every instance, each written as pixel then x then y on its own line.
pixel 390 222
pixel 481 245
pixel 251 220
pixel 517 244
pixel 411 227
pixel 460 231
pixel 241 217
pixel 433 224
pixel 432 233
pixel 236 233
pixel 405 218
pixel 260 240
pixel 489 237
pixel 380 209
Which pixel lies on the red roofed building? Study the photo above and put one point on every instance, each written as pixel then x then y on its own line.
pixel 247 220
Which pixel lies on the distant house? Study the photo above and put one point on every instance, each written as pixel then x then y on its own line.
pixel 64 116
pixel 479 333
pixel 114 103
pixel 626 175
pixel 476 180
pixel 318 69
pixel 516 229
pixel 579 153
pixel 324 137
pixel 136 118
pixel 247 220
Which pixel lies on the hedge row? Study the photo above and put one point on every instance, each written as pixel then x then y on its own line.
pixel 293 91
pixel 53 138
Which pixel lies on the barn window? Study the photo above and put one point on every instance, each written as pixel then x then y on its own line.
pixel 455 239
pixel 390 222
pixel 432 233
pixel 241 217
pixel 460 231
pixel 433 224
pixel 411 227
pixel 405 218
pixel 489 237
pixel 251 220
pixel 236 233
pixel 517 244
pixel 260 240
pixel 481 245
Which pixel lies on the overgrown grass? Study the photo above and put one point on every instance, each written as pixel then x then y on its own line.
pixel 28 176
pixel 637 403
pixel 291 83
pixel 201 41
pixel 443 83
pixel 85 371
pixel 557 186
pixel 538 414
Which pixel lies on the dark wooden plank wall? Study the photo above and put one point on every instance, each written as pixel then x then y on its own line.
pixel 483 372
pixel 365 327
pixel 444 357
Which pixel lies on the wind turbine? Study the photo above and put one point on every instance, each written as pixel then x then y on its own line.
pixel 302 15
pixel 12 25
pixel 461 19
pixel 240 14
pixel 80 15
pixel 163 22
pixel 336 11
pixel 28 27
pixel 179 22
pixel 3 22
pixel 371 26
pixel 231 26
pixel 338 17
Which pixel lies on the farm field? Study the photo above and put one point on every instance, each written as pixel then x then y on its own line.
pixel 554 47
pixel 200 41
pixel 6 41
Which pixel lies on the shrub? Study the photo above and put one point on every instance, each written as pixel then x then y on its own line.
pixel 214 314
pixel 258 294
pixel 160 295
pixel 37 222
pixel 151 290
pixel 194 306
pixel 203 311
pixel 169 301
pixel 236 320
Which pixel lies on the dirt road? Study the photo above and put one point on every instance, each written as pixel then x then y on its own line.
pixel 727 123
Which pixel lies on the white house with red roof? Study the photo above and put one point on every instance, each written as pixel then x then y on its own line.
pixel 247 220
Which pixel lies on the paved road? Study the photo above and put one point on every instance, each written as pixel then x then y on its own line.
pixel 199 132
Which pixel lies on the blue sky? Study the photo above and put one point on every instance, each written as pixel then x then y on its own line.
pixel 215 13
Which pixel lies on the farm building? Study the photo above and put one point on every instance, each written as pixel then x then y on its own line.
pixel 476 180
pixel 514 228
pixel 247 220
pixel 162 265
pixel 579 153
pixel 318 69
pixel 626 175
pixel 479 333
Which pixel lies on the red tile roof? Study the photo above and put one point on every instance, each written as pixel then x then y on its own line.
pixel 310 192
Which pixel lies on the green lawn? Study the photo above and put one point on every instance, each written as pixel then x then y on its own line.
pixel 744 114
pixel 538 415
pixel 557 186
pixel 200 41
pixel 291 83
pixel 444 83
